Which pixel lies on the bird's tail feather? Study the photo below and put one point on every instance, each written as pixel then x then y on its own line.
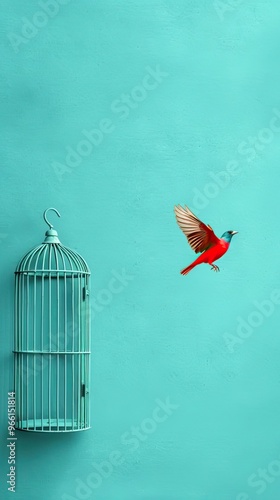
pixel 186 270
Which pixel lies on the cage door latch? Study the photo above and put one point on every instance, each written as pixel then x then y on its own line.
pixel 85 292
pixel 84 391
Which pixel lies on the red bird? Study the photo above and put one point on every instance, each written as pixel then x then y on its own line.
pixel 202 238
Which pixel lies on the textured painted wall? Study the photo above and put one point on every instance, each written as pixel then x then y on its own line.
pixel 112 112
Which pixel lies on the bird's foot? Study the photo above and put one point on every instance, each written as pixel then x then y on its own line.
pixel 216 268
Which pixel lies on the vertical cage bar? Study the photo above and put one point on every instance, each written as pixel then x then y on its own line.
pixel 88 348
pixel 43 359
pixel 79 355
pixel 34 348
pixel 20 312
pixel 50 337
pixel 16 344
pixel 42 347
pixel 73 349
pixel 57 346
pixel 65 348
pixel 27 348
pixel 22 346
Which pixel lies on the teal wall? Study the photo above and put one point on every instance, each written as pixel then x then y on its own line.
pixel 180 100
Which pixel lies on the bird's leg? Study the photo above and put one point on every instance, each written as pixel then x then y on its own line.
pixel 214 267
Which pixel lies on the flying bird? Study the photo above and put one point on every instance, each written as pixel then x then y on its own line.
pixel 202 238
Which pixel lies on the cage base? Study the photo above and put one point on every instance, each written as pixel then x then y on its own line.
pixel 54 425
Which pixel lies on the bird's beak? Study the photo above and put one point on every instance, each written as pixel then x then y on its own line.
pixel 234 232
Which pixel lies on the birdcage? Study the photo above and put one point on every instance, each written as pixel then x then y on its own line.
pixel 52 338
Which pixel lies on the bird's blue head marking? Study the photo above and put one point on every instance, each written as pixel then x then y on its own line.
pixel 228 235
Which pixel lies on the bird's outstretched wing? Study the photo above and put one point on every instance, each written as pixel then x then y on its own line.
pixel 199 235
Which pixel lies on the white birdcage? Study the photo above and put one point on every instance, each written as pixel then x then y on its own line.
pixel 52 338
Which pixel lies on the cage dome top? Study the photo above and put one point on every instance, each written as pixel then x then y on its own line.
pixel 52 256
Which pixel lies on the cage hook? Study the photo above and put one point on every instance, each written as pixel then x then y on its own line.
pixel 45 216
